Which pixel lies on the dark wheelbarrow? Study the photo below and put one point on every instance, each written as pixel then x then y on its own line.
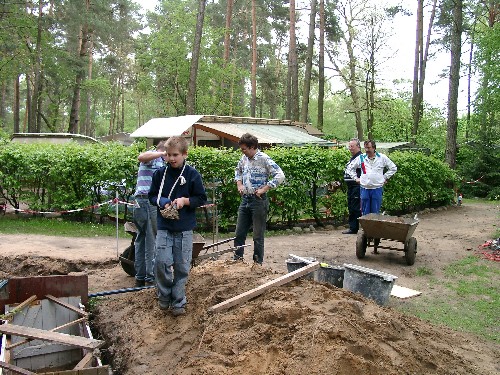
pixel 201 251
pixel 376 227
pixel 127 258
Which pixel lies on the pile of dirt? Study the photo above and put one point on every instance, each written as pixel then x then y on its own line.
pixel 29 265
pixel 301 327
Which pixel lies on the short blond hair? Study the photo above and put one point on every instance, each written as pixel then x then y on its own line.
pixel 180 143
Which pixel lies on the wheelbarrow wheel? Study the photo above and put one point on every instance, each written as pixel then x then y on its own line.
pixel 127 260
pixel 410 251
pixel 361 244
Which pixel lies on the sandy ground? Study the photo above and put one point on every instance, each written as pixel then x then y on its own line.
pixel 300 327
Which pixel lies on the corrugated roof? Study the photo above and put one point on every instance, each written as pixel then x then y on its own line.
pixel 164 127
pixel 266 134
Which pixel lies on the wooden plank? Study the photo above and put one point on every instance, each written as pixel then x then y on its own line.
pixel 41 334
pixel 46 353
pixel 102 370
pixel 18 308
pixel 15 369
pixel 85 362
pixel 25 341
pixel 68 306
pixel 239 299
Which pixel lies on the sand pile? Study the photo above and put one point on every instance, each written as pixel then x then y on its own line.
pixel 300 328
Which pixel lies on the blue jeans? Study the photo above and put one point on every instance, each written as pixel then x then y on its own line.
pixel 145 221
pixel 371 200
pixel 174 251
pixel 252 212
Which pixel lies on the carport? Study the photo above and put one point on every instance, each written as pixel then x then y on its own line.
pixel 224 131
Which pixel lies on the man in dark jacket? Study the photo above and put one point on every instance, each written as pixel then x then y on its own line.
pixel 353 191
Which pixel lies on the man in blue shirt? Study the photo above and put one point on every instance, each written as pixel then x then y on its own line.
pixel 145 215
pixel 255 174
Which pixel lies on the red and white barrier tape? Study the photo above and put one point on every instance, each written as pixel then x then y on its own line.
pixel 111 201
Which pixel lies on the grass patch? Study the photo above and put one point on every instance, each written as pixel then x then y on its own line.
pixel 423 271
pixel 471 303
pixel 57 227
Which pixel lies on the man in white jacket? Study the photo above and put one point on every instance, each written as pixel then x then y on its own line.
pixel 372 178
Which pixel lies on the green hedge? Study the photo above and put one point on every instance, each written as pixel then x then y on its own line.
pixel 64 177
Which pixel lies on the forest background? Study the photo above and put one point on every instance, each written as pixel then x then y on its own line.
pixel 98 68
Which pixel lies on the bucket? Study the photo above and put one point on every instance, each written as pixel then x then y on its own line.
pixel 294 265
pixel 370 283
pixel 333 275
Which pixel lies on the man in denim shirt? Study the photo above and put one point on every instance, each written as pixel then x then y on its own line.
pixel 145 215
pixel 255 174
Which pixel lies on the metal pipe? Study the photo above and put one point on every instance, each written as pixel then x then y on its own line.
pixel 118 291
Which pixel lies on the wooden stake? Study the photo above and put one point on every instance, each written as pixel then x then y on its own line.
pixel 22 342
pixel 239 299
pixel 18 308
pixel 63 338
pixel 15 369
pixel 67 305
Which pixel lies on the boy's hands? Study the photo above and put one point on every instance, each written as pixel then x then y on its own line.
pixel 180 202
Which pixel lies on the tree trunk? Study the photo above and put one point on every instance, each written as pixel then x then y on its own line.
pixel 293 67
pixel 38 84
pixel 87 126
pixel 418 100
pixel 3 100
pixel 253 78
pixel 28 103
pixel 122 120
pixel 112 118
pixel 193 71
pixel 353 89
pixel 227 31
pixel 16 104
pixel 227 47
pixel 469 76
pixel 370 82
pixel 321 68
pixel 307 77
pixel 80 74
pixel 415 105
pixel 454 79
pixel 288 88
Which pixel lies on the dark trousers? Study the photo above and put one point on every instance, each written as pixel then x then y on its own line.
pixel 354 206
pixel 252 213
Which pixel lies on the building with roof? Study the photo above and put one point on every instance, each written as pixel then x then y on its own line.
pixel 225 131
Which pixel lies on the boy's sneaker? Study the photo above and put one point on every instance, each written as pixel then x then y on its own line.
pixel 163 305
pixel 149 283
pixel 176 311
pixel 139 283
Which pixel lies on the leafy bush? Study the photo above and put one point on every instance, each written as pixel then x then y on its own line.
pixel 66 177
pixel 421 181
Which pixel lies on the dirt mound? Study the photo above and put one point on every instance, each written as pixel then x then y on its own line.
pixel 27 265
pixel 301 327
